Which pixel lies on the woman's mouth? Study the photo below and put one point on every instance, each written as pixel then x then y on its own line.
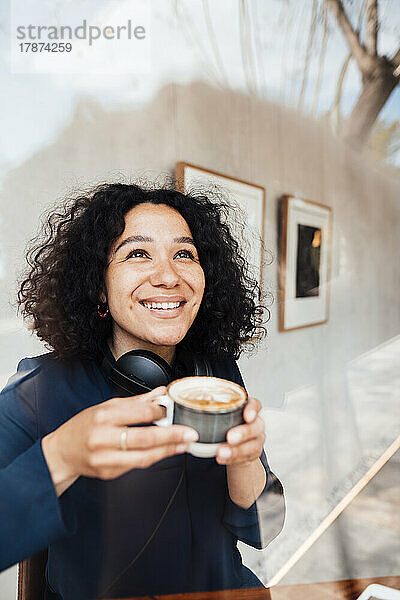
pixel 164 309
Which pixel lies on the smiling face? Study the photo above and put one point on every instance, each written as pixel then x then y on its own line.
pixel 154 281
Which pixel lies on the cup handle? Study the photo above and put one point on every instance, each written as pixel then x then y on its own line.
pixel 169 406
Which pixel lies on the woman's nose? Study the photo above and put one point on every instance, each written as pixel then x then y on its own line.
pixel 164 273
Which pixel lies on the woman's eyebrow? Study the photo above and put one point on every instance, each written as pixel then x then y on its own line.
pixel 145 238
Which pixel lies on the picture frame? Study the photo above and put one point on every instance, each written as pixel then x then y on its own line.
pixel 304 263
pixel 249 197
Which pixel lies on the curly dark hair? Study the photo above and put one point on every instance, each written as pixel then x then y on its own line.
pixel 59 293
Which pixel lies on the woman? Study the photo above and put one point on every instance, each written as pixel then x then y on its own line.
pixel 119 269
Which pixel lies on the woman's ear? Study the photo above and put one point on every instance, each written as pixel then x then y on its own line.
pixel 103 299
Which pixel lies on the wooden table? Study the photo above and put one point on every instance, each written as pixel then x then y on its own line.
pixel 347 589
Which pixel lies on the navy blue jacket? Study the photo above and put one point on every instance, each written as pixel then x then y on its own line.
pixel 96 527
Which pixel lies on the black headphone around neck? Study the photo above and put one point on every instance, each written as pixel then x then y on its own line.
pixel 140 371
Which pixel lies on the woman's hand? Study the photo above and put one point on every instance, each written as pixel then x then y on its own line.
pixel 97 442
pixel 245 442
pixel 246 475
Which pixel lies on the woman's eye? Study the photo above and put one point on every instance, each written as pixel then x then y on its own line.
pixel 188 253
pixel 136 253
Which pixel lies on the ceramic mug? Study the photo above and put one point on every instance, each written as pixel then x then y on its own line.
pixel 210 405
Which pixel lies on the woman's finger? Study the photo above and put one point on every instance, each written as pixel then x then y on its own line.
pixel 246 452
pixel 112 463
pixel 242 433
pixel 149 437
pixel 130 438
pixel 146 397
pixel 131 410
pixel 252 409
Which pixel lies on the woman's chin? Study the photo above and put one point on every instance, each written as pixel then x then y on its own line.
pixel 168 336
pixel 167 341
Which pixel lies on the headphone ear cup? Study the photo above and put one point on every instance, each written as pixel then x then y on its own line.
pixel 140 371
pixel 194 364
pixel 146 367
pixel 208 368
pixel 201 366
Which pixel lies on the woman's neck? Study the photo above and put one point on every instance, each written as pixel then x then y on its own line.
pixel 120 345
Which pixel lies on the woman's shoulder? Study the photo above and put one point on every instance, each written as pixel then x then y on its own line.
pixel 51 390
pixel 41 365
pixel 27 368
pixel 46 375
pixel 18 403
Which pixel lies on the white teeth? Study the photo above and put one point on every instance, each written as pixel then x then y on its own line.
pixel 162 305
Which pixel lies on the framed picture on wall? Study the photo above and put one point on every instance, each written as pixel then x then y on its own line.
pixel 249 197
pixel 304 263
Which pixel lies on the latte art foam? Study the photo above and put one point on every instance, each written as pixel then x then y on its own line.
pixel 207 393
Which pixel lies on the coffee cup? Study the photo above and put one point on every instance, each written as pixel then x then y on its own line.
pixel 210 405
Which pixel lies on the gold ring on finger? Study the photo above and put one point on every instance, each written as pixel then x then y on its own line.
pixel 124 439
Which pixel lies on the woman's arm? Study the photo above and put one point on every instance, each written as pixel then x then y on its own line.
pixel 31 516
pixel 259 524
pixel 246 474
pixel 246 481
pixel 34 472
pixel 89 443
pixel 255 510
